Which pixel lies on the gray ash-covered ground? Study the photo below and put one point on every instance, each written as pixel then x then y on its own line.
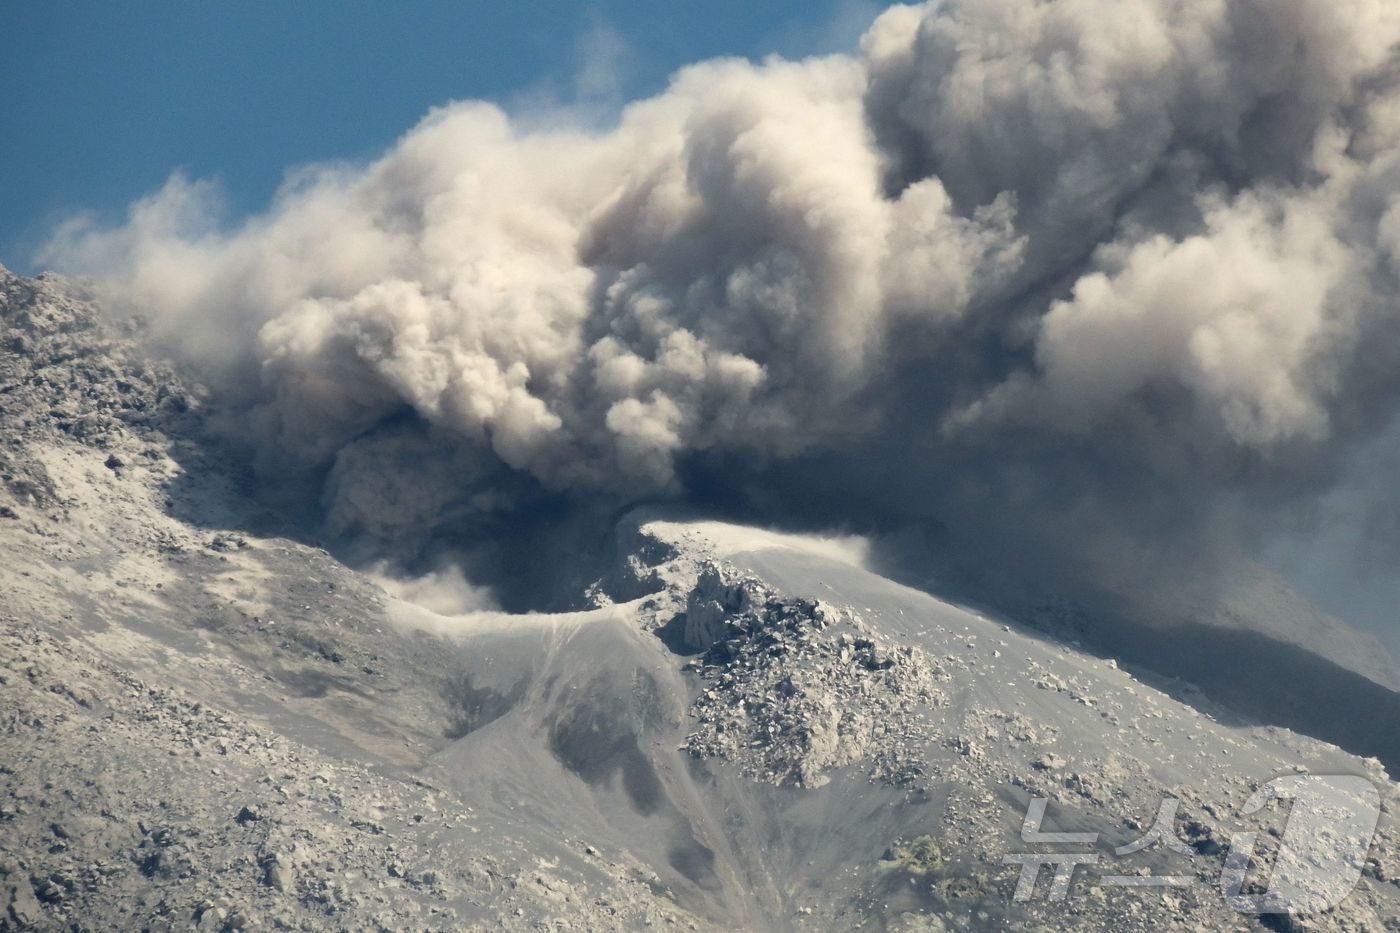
pixel 131 805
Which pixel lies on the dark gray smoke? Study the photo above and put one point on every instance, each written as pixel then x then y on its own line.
pixel 1106 286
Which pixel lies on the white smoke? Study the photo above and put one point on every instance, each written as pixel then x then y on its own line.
pixel 444 592
pixel 1166 229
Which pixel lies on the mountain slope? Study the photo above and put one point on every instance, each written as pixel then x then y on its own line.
pixel 209 721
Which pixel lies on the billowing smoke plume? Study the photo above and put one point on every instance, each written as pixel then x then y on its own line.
pixel 1117 276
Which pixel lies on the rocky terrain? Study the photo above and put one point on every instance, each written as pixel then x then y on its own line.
pixel 792 690
pixel 209 722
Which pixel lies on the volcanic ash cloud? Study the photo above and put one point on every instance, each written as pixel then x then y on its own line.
pixel 1108 243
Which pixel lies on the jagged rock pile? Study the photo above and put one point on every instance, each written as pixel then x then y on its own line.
pixel 68 373
pixel 67 370
pixel 794 689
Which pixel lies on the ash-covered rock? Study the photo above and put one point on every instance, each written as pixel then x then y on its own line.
pixel 713 605
pixel 67 370
pixel 795 689
pixel 70 374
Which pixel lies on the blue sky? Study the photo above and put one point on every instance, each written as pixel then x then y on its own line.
pixel 101 101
